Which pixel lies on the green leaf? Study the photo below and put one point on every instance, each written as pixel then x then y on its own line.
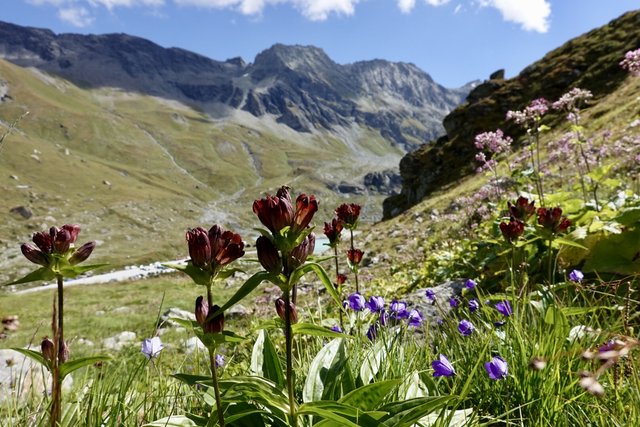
pixel 248 286
pixel 244 414
pixel 173 421
pixel 72 365
pixel 579 311
pixel 369 396
pixel 191 379
pixel 408 412
pixel 34 355
pixel 72 271
pixel 567 242
pixel 198 275
pixel 40 274
pixel 325 371
pixel 265 361
pixel 555 317
pixel 316 330
pixel 339 413
pixel 256 389
pixel 228 272
pixel 629 217
pixel 322 275
pixel 374 360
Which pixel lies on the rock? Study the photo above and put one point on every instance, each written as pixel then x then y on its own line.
pixel 14 177
pixel 383 182
pixel 238 311
pixel 497 75
pixel 10 323
pixel 85 342
pixel 174 313
pixel 443 292
pixel 107 183
pixel 21 377
pixel 123 309
pixel 193 344
pixel 118 342
pixel 23 211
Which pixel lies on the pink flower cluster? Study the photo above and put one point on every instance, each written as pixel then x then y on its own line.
pixel 572 100
pixel 631 62
pixel 531 114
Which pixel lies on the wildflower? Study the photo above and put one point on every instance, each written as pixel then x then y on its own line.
pixel 521 209
pixel 512 230
pixel 336 328
pixel 504 308
pixel 151 347
pixel 203 311
pixel 499 323
pixel 372 333
pixel 430 294
pixel 415 318
pixel 442 367
pixel 341 278
pixel 280 309
pixel 63 352
pixel 332 230
pixel 473 305
pixel 348 214
pixel 440 321
pixel 552 220
pixel 453 302
pixel 55 244
pixel 219 360
pixel 494 142
pixel 214 249
pixel 465 328
pixel 275 212
pixel 300 253
pixel 538 364
pixel 530 116
pixel 268 255
pixel 354 256
pixel 46 347
pixel 631 62
pixel 591 384
pixel 470 284
pixel 398 309
pixel 375 304
pixel 571 100
pixel 576 276
pixel 82 253
pixel 497 368
pixel 356 302
pixel 306 207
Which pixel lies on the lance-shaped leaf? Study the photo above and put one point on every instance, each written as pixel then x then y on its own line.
pixel 322 275
pixel 265 361
pixel 33 355
pixel 199 276
pixel 41 274
pixel 248 286
pixel 316 330
pixel 72 365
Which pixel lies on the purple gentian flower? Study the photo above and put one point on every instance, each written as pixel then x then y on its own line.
pixel 398 309
pixel 372 333
pixel 384 317
pixel 442 367
pixel 375 304
pixel 453 302
pixel 336 328
pixel 219 361
pixel 415 319
pixel 151 347
pixel 439 321
pixel 465 327
pixel 470 284
pixel 497 368
pixel 576 276
pixel 430 294
pixel 473 305
pixel 356 302
pixel 504 307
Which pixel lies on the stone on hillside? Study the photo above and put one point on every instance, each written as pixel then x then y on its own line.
pixel 443 292
pixel 192 344
pixel 118 342
pixel 174 313
pixel 10 323
pixel 238 311
pixel 123 309
pixel 23 211
pixel 21 377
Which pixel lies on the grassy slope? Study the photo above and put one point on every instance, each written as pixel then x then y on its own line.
pixel 137 171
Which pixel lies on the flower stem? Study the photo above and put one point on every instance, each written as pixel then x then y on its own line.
pixel 216 387
pixel 355 271
pixel 289 350
pixel 56 382
pixel 335 252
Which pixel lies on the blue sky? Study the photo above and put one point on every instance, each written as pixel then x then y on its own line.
pixel 455 41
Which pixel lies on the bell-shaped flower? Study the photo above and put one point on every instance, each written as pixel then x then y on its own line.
pixel 552 220
pixel 442 367
pixel 332 230
pixel 268 255
pixel 280 309
pixel 356 302
pixel 466 328
pixel 512 230
pixel 497 368
pixel 151 347
pixel 306 207
pixel 522 209
pixel 375 304
pixel 348 213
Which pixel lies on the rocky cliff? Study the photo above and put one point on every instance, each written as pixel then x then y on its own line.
pixel 590 61
pixel 299 86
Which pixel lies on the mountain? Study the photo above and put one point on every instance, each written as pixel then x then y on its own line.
pixel 299 86
pixel 137 143
pixel 590 61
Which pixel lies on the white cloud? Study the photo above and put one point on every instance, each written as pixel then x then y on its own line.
pixel 436 2
pixel 458 8
pixel 319 10
pixel 111 4
pixel 315 10
pixel 532 15
pixel 406 6
pixel 76 16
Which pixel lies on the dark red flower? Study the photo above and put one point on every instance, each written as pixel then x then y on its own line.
pixel 268 255
pixel 354 256
pixel 214 325
pixel 61 240
pixel 552 220
pixel 522 209
pixel 43 241
pixel 275 212
pixel 225 247
pixel 34 255
pixel 280 309
pixel 82 253
pixel 348 213
pixel 46 347
pixel 57 241
pixel 306 207
pixel 300 253
pixel 332 230
pixel 202 310
pixel 199 247
pixel 512 230
pixel 73 229
pixel 341 278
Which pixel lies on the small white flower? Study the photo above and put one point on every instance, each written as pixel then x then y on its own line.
pixel 151 347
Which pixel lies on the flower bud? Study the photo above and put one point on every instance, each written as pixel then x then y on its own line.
pixel 214 325
pixel 341 278
pixel 63 352
pixel 512 230
pixel 521 209
pixel 82 253
pixel 43 241
pixel 300 253
pixel 62 241
pixel 280 309
pixel 268 255
pixel 348 214
pixel 228 248
pixel 34 255
pixel 332 230
pixel 202 310
pixel 354 256
pixel 46 346
pixel 199 247
pixel 275 212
